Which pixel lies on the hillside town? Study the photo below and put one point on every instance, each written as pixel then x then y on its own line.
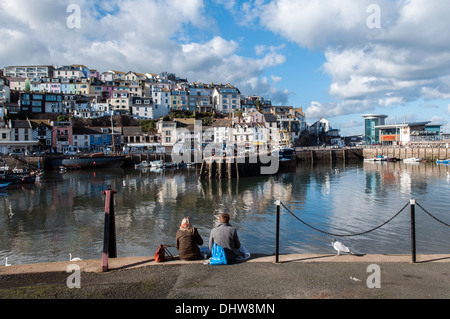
pixel 73 109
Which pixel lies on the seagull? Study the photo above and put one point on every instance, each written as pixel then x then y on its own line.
pixel 74 259
pixel 340 247
pixel 6 262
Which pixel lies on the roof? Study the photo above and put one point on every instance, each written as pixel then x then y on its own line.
pixel 269 117
pixel 36 123
pixel 388 126
pixel 67 68
pixel 132 130
pixel 221 123
pixel 20 124
pixel 83 131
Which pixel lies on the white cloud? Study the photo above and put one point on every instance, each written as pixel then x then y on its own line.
pixel 408 58
pixel 139 35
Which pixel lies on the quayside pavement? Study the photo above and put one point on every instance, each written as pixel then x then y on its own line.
pixel 296 276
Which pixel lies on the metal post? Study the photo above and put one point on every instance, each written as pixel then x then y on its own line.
pixel 277 247
pixel 109 239
pixel 413 229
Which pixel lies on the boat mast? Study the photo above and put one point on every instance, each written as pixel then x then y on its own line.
pixel 112 135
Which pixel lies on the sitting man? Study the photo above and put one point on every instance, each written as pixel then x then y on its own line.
pixel 226 237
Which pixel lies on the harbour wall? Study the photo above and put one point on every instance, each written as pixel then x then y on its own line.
pixel 359 154
pixel 426 153
pixel 329 155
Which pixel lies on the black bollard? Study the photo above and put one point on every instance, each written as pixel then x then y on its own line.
pixel 277 246
pixel 109 239
pixel 413 230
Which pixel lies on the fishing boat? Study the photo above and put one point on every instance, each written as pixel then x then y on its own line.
pixel 447 161
pixel 4 185
pixel 143 164
pixel 97 160
pixel 157 164
pixel 16 176
pixel 412 160
pixel 286 156
pixel 381 158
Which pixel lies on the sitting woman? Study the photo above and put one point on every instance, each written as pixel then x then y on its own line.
pixel 188 240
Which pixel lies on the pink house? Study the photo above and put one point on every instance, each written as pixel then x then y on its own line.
pixel 62 136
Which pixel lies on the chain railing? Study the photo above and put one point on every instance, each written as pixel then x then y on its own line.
pixel 412 205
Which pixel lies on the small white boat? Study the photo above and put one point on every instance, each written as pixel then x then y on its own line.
pixel 171 165
pixel 157 164
pixel 143 164
pixel 412 160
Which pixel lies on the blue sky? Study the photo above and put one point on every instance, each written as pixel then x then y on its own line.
pixel 336 59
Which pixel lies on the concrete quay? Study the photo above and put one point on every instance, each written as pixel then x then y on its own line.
pixel 296 276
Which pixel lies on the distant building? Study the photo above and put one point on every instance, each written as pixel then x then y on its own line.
pixel 371 132
pixel 144 108
pixel 226 99
pixel 5 92
pixel 62 136
pixel 17 137
pixel 69 72
pixel 42 132
pixel 32 71
pixel 40 103
pixel 402 134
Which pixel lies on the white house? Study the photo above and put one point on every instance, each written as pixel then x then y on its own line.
pixel 120 101
pixel 93 110
pixel 5 91
pixel 16 136
pixel 144 108
pixel 320 126
pixel 226 98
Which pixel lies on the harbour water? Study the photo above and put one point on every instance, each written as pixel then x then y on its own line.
pixel 64 212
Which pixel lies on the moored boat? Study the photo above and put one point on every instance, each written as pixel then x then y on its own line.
pixel 4 185
pixel 412 160
pixel 447 161
pixel 93 161
pixel 286 156
pixel 157 164
pixel 143 164
pixel 16 176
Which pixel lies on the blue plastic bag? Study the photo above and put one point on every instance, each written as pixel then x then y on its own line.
pixel 217 255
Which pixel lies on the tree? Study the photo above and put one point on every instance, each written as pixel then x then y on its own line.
pixel 27 88
pixel 148 126
pixel 258 105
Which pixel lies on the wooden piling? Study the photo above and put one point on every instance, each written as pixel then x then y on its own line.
pixel 109 236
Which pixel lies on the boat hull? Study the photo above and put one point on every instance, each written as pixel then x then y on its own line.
pixel 88 162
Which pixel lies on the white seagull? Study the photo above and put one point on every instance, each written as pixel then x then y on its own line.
pixel 6 262
pixel 74 259
pixel 340 247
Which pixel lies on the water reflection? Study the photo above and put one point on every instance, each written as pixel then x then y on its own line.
pixel 64 213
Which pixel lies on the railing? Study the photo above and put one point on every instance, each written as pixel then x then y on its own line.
pixel 412 205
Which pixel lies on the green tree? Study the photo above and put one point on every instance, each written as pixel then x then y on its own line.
pixel 27 88
pixel 148 126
